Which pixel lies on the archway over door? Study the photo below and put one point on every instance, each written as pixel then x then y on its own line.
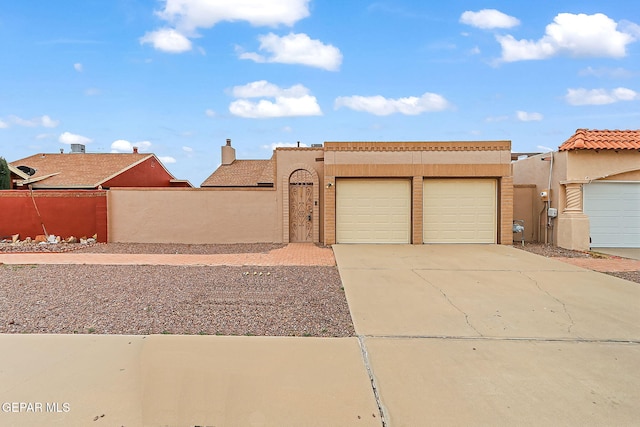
pixel 301 201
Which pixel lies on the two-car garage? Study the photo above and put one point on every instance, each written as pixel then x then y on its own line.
pixel 379 210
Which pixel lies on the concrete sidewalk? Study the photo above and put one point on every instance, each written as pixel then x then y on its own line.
pixel 292 254
pixel 492 335
pixel 88 380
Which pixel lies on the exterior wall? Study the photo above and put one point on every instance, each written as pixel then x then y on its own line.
pixel 571 170
pixel 288 160
pixel 146 174
pixel 535 171
pixel 64 213
pixel 197 215
pixel 419 161
pixel 591 164
pixel 524 198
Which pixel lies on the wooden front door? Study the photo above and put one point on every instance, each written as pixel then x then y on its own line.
pixel 301 207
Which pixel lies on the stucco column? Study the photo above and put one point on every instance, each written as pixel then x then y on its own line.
pixel 573 225
pixel 574 197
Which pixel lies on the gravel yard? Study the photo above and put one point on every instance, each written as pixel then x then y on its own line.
pixel 276 301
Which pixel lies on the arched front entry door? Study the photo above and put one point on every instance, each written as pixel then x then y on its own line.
pixel 301 206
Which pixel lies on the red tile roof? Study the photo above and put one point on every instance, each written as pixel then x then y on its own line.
pixel 242 173
pixel 585 139
pixel 78 170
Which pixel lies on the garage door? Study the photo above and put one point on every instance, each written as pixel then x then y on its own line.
pixel 614 214
pixel 459 211
pixel 373 211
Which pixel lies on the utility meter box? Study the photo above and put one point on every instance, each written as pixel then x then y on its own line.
pixel 552 212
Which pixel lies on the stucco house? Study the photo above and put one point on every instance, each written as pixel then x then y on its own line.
pixel 376 192
pixel 586 194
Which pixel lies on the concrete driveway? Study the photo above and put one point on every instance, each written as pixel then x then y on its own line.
pixel 491 335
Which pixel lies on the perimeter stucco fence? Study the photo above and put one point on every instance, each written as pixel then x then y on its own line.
pixel 64 213
pixel 194 216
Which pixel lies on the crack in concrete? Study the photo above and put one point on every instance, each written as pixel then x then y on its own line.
pixel 564 306
pixel 446 297
pixel 374 386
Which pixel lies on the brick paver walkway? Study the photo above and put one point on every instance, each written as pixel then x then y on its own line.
pixel 292 254
pixel 603 264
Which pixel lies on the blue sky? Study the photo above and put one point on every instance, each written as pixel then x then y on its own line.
pixel 178 77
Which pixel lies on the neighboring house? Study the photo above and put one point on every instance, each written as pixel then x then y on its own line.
pixel 66 194
pixel 79 170
pixel 374 192
pixel 591 184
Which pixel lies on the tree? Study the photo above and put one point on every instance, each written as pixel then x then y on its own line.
pixel 5 175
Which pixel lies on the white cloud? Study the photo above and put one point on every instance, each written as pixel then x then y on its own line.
pixel 283 106
pixel 3 125
pixel 92 91
pixel 264 89
pixel 167 159
pixel 45 136
pixel 124 146
pixel 275 145
pixel 44 121
pixel 573 35
pixel 210 113
pixel 78 67
pixel 544 148
pixel 488 19
pixel 599 96
pixel 187 149
pixel 186 16
pixel 71 138
pixel 296 49
pixel 523 116
pixel 289 102
pixel 381 106
pixel 167 40
pixel 189 15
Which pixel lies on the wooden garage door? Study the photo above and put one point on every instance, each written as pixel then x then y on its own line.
pixel 614 214
pixel 459 211
pixel 373 211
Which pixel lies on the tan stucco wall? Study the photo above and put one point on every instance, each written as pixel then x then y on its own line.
pixel 193 216
pixel 592 165
pixel 535 171
pixel 419 161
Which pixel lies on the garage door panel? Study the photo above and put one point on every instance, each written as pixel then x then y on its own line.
pixel 373 210
pixel 459 211
pixel 614 213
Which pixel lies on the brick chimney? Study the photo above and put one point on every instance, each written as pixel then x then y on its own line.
pixel 228 153
pixel 135 150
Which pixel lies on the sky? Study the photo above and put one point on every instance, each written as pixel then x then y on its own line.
pixel 178 77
